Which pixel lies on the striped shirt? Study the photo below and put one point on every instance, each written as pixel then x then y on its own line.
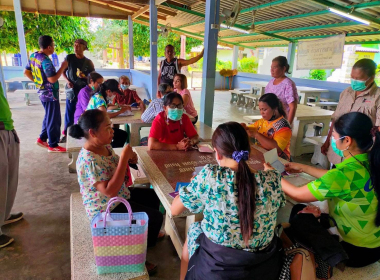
pixel 155 107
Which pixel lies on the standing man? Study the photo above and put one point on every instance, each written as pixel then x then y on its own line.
pixel 41 71
pixel 9 163
pixel 171 66
pixel 76 76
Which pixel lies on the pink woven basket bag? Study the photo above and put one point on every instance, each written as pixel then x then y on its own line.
pixel 120 243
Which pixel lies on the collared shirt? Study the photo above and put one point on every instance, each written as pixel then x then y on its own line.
pixel 352 200
pixel 368 102
pixel 154 108
pixel 129 97
pixel 42 68
pixel 5 112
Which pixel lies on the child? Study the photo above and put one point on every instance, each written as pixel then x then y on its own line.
pixel 180 86
pixel 102 174
pixel 127 96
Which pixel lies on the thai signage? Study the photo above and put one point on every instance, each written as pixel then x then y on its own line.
pixel 324 53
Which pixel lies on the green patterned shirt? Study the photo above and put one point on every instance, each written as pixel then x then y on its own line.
pixel 214 192
pixel 5 112
pixel 352 200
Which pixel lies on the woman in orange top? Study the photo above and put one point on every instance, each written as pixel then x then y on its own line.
pixel 273 130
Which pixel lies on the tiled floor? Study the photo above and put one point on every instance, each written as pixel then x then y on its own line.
pixel 42 244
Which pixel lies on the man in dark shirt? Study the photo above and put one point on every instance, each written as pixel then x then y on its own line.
pixel 76 76
pixel 171 66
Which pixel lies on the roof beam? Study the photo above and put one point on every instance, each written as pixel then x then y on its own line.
pixel 140 11
pixel 328 4
pixel 327 26
pixel 347 35
pixel 365 5
pixel 166 12
pixel 266 5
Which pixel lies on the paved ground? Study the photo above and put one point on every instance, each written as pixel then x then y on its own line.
pixel 42 241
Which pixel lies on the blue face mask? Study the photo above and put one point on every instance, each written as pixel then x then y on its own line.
pixel 358 85
pixel 335 148
pixel 124 87
pixel 175 114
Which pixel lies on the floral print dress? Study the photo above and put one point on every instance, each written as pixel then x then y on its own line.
pixel 214 192
pixel 92 168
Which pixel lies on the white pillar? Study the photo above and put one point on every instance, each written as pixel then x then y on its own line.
pixel 153 47
pixel 209 61
pixel 291 56
pixel 2 80
pixel 183 47
pixel 20 32
pixel 130 40
pixel 235 55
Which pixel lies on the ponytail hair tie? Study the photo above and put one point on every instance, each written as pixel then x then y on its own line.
pixel 374 130
pixel 240 155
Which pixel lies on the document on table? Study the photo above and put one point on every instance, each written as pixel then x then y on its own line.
pixel 272 157
pixel 126 114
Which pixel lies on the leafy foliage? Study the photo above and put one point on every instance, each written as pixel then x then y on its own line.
pixel 318 74
pixel 248 65
pixel 64 30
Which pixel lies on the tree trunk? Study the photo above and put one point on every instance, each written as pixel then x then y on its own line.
pixel 121 52
pixel 5 58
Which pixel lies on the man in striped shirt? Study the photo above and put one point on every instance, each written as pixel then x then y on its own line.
pixel 157 105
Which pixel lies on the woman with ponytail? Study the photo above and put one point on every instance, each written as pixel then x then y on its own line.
pixel 102 174
pixel 99 100
pixel 352 188
pixel 235 239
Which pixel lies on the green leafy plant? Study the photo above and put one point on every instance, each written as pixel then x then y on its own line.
pixel 318 74
pixel 247 65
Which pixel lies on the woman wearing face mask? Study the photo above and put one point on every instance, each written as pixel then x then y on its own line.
pixel 172 129
pixel 99 100
pixel 127 96
pixel 240 213
pixel 94 80
pixel 273 130
pixel 352 188
pixel 362 96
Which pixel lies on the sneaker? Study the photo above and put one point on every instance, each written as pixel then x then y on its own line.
pixel 57 149
pixel 5 240
pixel 42 144
pixel 14 218
pixel 63 139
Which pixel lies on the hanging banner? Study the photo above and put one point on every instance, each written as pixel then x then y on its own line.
pixel 324 53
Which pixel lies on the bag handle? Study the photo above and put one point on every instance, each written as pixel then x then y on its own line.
pixel 122 200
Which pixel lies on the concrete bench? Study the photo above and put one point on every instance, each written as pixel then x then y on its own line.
pixel 318 157
pixel 238 97
pixel 83 265
pixel 73 146
pixel 251 101
pixel 324 105
pixel 27 93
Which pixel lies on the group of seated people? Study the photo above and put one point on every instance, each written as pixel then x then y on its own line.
pixel 236 237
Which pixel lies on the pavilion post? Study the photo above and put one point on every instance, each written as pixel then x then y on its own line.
pixel 235 55
pixel 183 47
pixel 209 61
pixel 2 80
pixel 20 32
pixel 130 40
pixel 153 47
pixel 291 55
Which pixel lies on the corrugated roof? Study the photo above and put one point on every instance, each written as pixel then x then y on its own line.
pixel 277 22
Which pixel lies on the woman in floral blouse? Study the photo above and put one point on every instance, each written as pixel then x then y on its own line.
pixel 240 212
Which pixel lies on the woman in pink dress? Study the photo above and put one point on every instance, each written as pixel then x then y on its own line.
pixel 180 86
pixel 282 86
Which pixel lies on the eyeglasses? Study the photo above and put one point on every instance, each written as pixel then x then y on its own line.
pixel 173 106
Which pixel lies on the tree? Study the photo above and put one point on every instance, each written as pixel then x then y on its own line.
pixel 64 30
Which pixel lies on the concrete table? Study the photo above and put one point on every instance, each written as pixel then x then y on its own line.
pixel 305 115
pixel 257 84
pixel 306 92
pixel 324 105
pixel 135 123
pixel 163 188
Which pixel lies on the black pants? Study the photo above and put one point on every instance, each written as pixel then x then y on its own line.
pixel 119 138
pixel 145 200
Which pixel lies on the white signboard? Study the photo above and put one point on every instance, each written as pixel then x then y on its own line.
pixel 321 54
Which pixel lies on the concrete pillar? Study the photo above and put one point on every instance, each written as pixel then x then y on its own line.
pixel 235 55
pixel 2 80
pixel 130 40
pixel 183 47
pixel 153 47
pixel 20 32
pixel 209 61
pixel 291 55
